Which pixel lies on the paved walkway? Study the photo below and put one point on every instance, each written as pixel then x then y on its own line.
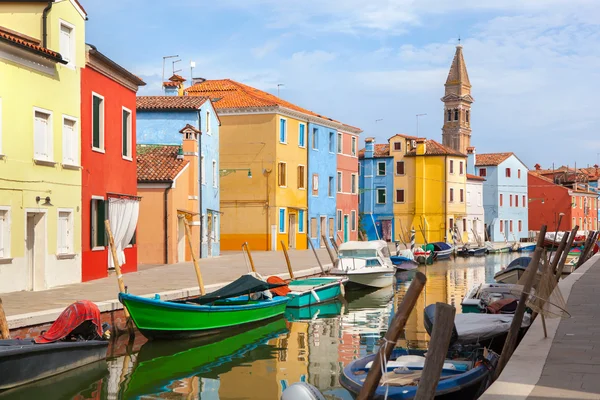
pixel 171 281
pixel 566 365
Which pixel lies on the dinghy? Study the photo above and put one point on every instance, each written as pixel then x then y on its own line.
pixel 310 291
pixel 442 250
pixel 513 271
pixel 480 296
pixel 404 260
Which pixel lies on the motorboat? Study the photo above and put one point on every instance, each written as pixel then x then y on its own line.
pixel 365 264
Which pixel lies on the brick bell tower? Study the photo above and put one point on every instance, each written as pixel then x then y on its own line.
pixel 456 132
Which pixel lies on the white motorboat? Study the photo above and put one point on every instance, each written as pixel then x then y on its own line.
pixel 365 263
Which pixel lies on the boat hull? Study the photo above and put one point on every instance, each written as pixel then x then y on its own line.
pixel 22 361
pixel 362 278
pixel 443 254
pixel 511 276
pixel 158 319
pixel 322 291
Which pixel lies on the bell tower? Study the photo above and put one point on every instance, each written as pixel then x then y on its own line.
pixel 456 132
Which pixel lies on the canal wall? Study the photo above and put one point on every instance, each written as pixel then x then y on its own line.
pixel 563 365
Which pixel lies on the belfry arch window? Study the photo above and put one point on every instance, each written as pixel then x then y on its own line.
pixel 456 114
pixel 467 116
pixel 449 115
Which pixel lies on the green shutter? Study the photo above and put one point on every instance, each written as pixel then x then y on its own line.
pixel 132 242
pixel 101 215
pixel 92 216
pixel 96 121
pixel 125 138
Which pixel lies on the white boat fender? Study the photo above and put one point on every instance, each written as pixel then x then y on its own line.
pixel 315 296
pixel 342 289
pixel 302 391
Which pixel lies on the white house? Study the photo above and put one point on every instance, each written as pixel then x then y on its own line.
pixel 475 210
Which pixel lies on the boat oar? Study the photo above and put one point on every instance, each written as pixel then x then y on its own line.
pixel 392 335
pixel 287 260
pixel 4 332
pixel 438 349
pixel 247 249
pixel 188 235
pixel 312 246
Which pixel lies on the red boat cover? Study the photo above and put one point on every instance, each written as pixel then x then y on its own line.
pixel 503 306
pixel 73 316
pixel 280 291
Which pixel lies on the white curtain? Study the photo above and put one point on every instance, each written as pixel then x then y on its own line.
pixel 123 216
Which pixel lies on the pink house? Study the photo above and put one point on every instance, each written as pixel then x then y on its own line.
pixel 347 199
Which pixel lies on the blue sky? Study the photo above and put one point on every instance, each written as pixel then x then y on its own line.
pixel 534 65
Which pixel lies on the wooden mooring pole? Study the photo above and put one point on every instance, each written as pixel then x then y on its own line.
pixel 4 331
pixel 329 250
pixel 392 335
pixel 287 260
pixel 113 252
pixel 312 246
pixel 247 249
pixel 188 235
pixel 563 258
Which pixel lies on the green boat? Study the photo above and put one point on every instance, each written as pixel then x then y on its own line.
pixel 326 310
pixel 311 291
pixel 161 363
pixel 230 306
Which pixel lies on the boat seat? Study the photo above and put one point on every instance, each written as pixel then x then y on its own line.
pixel 410 361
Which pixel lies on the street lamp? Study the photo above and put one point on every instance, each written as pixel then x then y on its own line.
pixel 225 172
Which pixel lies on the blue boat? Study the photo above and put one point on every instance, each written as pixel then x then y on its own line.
pixel 442 250
pixel 530 247
pixel 311 291
pixel 464 379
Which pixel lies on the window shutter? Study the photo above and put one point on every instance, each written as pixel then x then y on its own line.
pixel 40 135
pixel 61 240
pixel 69 146
pixel 102 215
pixel 96 121
pixel 2 228
pixel 124 133
pixel 65 42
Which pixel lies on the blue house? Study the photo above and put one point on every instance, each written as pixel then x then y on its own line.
pixel 376 182
pixel 323 183
pixel 163 120
pixel 505 195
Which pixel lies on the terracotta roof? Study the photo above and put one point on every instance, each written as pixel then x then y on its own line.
pixel 402 135
pixel 433 148
pixel 458 70
pixel 189 127
pixel 491 159
pixel 29 44
pixel 379 150
pixel 170 84
pixel 158 163
pixel 475 177
pixel 177 78
pixel 169 102
pixel 542 177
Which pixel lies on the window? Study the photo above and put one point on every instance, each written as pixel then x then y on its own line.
pixel 468 198
pixel 282 220
pixel 204 230
pixel 462 195
pixel 315 139
pixel 520 226
pixel 519 173
pixel 215 173
pixel 99 211
pixel 353 220
pixel 511 225
pixel 451 224
pixel 301 133
pixel 282 131
pixel 359 168
pixel 456 115
pixel 479 198
pixel 126 134
pixel 451 195
pixel 449 115
pixel 574 222
pixel 331 228
pixel 397 146
pixel 67 43
pixel 524 204
pixel 313 228
pixel 4 232
pixel 460 168
pixel 510 200
pixel 353 183
pixel 282 174
pixel 482 172
pixel 42 136
pixel 215 227
pixel 97 122
pixel 399 195
pixel 70 141
pixel 330 187
pixel 301 177
pixel 315 184
pixel 300 221
pixel 464 224
pixel 340 146
pixel 516 200
pixel 381 196
pixel 203 177
pixel 399 167
pixel 64 240
pixel 501 198
pixel 353 148
pixel 467 116
pixel 339 220
pixel 381 168
pixel 331 142
pixel 508 172
pixel 208 122
pixel 339 182
pixel 501 226
pixel 451 166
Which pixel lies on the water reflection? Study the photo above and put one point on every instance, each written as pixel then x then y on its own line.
pixel 312 345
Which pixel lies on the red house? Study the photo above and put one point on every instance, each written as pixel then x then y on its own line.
pixel 108 159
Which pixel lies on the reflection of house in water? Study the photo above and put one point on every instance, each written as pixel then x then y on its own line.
pixel 241 382
pixel 323 349
pixel 292 358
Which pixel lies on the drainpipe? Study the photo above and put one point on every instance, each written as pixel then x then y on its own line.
pixel 166 226
pixel 445 200
pixel 267 173
pixel 307 137
pixel 200 191
pixel 45 23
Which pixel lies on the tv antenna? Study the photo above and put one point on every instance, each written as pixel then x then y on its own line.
pixel 419 115
pixel 278 85
pixel 176 70
pixel 164 59
pixel 192 66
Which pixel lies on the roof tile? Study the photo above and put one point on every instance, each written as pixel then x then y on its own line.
pixel 158 163
pixel 475 177
pixel 491 159
pixel 433 148
pixel 169 102
pixel 21 40
pixel 380 150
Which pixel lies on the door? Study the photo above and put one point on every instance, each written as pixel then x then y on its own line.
pixel 35 250
pixel 386 230
pixel 345 228
pixel 180 239
pixel 323 231
pixel 292 231
pixel 210 232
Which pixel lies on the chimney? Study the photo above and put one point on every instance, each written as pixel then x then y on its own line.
pixel 190 140
pixel 471 160
pixel 421 146
pixel 537 167
pixel 369 147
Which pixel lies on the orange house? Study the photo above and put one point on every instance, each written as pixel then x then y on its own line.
pixel 168 185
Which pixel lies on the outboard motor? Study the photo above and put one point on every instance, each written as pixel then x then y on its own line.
pixel 302 391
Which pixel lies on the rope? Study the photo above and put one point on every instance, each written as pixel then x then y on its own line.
pixel 383 363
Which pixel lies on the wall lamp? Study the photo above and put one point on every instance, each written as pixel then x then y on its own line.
pixel 225 172
pixel 537 198
pixel 46 201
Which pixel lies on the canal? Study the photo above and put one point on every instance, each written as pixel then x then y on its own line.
pixel 259 362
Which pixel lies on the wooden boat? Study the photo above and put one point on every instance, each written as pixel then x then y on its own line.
pixel 477 251
pixel 498 248
pixel 422 256
pixel 463 377
pixel 442 250
pixel 204 315
pixel 365 264
pixel 74 340
pixel 480 296
pixel 404 261
pixel 527 247
pixel 323 310
pixel 513 272
pixel 310 291
pixel 159 363
pixel 552 240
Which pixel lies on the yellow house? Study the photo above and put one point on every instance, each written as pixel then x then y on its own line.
pixel 429 188
pixel 42 49
pixel 263 164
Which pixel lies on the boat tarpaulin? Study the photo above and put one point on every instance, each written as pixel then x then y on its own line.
pixel 474 327
pixel 245 284
pixel 72 317
pixel 440 246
